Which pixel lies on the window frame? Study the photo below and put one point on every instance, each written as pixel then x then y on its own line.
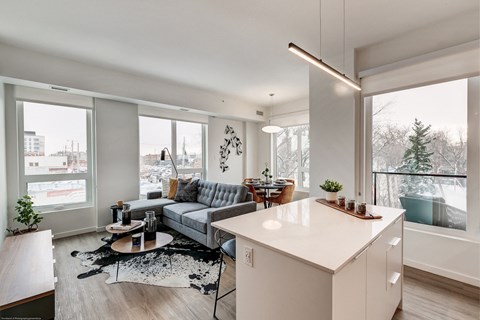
pixel 472 231
pixel 300 169
pixel 24 179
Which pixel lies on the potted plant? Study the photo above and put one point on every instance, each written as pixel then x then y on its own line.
pixel 26 215
pixel 331 188
pixel 266 173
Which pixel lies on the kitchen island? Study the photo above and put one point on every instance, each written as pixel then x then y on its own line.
pixel 305 260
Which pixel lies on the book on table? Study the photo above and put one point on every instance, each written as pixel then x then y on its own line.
pixel 125 227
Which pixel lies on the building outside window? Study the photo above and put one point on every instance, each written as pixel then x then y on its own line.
pixel 184 140
pixel 292 150
pixel 55 154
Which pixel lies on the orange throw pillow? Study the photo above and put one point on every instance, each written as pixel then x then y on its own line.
pixel 173 188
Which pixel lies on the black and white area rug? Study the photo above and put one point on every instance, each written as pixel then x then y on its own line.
pixel 192 265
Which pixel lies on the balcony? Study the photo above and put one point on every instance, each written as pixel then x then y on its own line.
pixel 443 205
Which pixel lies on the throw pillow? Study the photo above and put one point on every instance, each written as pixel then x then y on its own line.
pixel 187 190
pixel 172 189
pixel 165 187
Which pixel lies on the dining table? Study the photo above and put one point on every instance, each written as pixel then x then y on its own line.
pixel 262 185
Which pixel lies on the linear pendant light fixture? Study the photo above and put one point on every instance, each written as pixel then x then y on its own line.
pixel 319 63
pixel 322 65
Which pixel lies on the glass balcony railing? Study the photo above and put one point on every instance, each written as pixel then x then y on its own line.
pixel 433 199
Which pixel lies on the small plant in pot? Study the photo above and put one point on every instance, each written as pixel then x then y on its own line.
pixel 331 188
pixel 266 173
pixel 26 215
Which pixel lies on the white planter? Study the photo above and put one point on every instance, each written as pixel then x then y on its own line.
pixel 331 196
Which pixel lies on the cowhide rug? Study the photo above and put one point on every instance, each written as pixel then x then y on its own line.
pixel 192 265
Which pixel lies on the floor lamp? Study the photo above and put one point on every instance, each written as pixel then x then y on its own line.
pixel 162 158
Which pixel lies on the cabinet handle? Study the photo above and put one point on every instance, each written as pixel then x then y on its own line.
pixel 395 241
pixel 394 278
pixel 358 255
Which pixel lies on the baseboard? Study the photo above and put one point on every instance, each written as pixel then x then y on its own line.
pixel 74 232
pixel 442 282
pixel 443 272
pixel 100 229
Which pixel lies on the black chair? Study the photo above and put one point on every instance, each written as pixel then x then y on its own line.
pixel 227 248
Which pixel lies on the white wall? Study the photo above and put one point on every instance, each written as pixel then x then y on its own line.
pixel 216 138
pixel 117 153
pixel 332 133
pixel 3 168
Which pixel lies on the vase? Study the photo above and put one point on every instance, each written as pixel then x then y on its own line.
pixel 331 196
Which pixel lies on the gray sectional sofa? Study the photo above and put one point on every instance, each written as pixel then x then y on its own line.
pixel 215 201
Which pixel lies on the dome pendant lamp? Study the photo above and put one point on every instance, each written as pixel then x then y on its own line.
pixel 269 128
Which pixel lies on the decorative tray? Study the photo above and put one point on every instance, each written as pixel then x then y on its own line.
pixel 367 216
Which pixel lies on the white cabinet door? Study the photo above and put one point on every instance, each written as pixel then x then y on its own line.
pixel 394 266
pixel 349 287
pixel 377 279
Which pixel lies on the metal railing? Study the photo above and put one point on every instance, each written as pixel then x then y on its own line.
pixel 429 198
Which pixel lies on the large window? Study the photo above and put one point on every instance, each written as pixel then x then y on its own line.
pixel 55 154
pixel 185 141
pixel 293 154
pixel 419 153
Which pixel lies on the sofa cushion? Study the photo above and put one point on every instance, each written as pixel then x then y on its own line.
pixel 175 211
pixel 206 192
pixel 228 194
pixel 138 207
pixel 196 220
pixel 187 190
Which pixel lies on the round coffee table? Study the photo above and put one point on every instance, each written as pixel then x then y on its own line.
pixel 124 245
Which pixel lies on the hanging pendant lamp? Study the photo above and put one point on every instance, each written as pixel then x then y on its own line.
pixel 319 63
pixel 269 128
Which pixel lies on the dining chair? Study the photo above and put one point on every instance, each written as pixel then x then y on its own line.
pixel 258 196
pixel 285 196
pixel 258 192
pixel 277 193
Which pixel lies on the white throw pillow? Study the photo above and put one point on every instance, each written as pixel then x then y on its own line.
pixel 165 187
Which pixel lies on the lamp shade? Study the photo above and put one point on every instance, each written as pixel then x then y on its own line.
pixel 271 129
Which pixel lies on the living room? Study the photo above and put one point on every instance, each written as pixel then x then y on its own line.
pixel 217 68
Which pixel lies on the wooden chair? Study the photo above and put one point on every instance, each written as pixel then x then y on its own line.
pixel 285 196
pixel 258 197
pixel 258 192
pixel 277 193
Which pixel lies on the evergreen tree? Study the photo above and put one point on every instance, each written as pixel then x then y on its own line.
pixel 416 159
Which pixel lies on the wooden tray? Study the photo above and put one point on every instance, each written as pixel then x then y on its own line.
pixel 333 205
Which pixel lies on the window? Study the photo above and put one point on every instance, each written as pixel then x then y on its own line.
pixel 183 139
pixel 56 166
pixel 419 153
pixel 189 148
pixel 293 154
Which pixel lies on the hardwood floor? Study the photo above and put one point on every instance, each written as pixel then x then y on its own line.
pixel 91 298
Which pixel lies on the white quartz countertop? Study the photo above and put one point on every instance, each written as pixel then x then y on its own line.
pixel 311 232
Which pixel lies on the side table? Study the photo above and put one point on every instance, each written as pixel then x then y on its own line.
pixel 117 234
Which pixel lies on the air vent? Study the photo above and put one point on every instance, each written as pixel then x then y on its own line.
pixel 259 113
pixel 59 88
pixel 183 109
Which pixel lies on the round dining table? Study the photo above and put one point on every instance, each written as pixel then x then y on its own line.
pixel 267 187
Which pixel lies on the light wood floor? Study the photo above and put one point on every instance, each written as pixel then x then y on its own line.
pixel 91 298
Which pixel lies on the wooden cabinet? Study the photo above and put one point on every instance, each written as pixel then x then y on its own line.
pixel 384 273
pixel 27 279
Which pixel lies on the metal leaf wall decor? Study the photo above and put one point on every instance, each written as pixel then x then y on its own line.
pixel 231 141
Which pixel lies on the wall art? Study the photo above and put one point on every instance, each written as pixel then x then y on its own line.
pixel 231 141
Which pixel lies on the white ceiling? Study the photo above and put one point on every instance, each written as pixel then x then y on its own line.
pixel 238 48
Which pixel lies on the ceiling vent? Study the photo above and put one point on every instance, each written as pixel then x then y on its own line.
pixel 259 113
pixel 59 88
pixel 183 109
